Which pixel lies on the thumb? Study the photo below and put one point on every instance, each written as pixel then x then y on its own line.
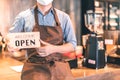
pixel 7 39
pixel 44 43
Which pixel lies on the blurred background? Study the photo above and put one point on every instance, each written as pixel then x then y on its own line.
pixel 76 9
pixel 10 8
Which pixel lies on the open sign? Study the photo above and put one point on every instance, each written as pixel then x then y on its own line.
pixel 24 39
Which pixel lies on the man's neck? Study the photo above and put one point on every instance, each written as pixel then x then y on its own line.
pixel 44 9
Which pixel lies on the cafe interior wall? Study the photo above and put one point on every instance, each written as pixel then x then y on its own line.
pixel 8 11
pixel 10 8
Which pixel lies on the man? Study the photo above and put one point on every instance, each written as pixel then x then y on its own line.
pixel 57 37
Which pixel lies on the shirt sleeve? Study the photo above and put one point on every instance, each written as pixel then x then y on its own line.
pixel 69 32
pixel 17 25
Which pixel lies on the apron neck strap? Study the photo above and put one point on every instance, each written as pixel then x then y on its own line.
pixel 36 16
pixel 56 17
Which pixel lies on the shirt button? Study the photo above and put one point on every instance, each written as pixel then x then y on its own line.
pixel 44 17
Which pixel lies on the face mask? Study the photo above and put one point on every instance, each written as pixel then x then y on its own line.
pixel 44 2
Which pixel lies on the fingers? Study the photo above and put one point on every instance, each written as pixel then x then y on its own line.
pixel 41 52
pixel 45 49
pixel 7 39
pixel 44 43
pixel 11 48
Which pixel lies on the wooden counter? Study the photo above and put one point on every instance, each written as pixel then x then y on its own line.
pixel 110 72
pixel 6 73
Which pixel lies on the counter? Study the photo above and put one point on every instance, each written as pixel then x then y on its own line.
pixel 6 73
pixel 110 72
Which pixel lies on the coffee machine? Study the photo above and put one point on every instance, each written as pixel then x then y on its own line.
pixel 112 42
pixel 94 56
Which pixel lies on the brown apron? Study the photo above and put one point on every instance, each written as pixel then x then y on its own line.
pixel 52 67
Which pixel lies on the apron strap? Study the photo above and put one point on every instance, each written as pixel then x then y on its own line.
pixel 56 17
pixel 35 28
pixel 36 15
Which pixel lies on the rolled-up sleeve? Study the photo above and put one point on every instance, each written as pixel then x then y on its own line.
pixel 17 25
pixel 69 33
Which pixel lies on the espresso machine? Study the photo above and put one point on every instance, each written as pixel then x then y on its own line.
pixel 94 56
pixel 112 42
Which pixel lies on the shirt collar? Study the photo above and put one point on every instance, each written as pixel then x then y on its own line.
pixel 51 11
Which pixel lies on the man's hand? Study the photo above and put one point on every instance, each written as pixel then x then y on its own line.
pixel 45 50
pixel 48 49
pixel 10 46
